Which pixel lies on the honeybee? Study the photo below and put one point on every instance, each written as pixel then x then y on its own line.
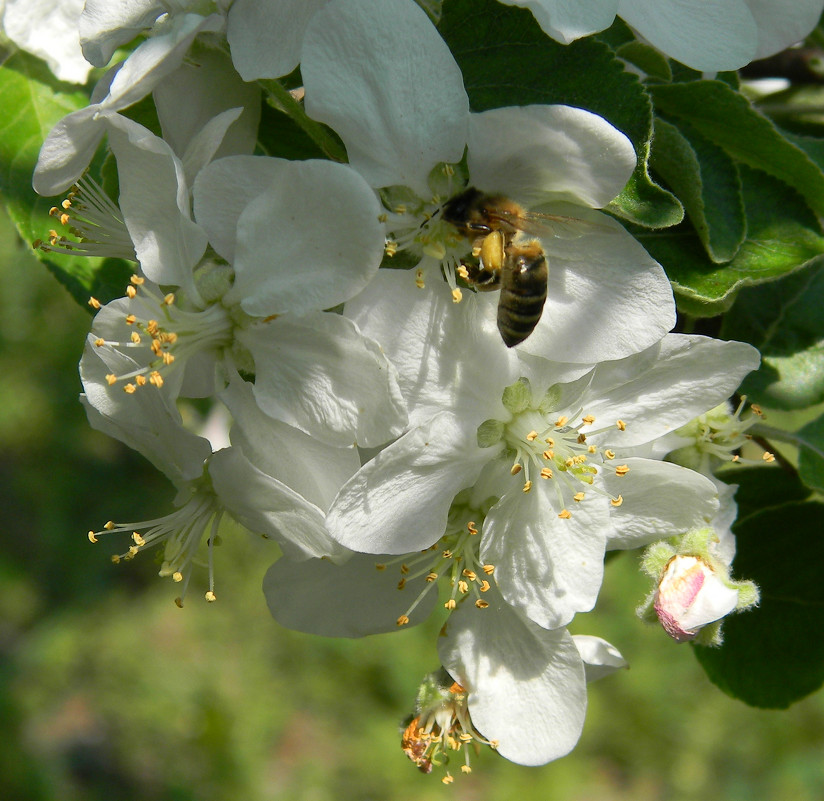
pixel 510 256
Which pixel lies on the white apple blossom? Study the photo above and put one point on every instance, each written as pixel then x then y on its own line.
pixel 289 239
pixel 710 35
pixel 282 497
pixel 407 133
pixel 49 30
pixel 526 452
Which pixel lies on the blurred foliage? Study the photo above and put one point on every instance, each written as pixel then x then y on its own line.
pixel 109 692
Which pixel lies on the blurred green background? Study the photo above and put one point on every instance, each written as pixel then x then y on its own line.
pixel 108 691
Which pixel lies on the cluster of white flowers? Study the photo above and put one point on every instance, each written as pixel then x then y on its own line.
pixel 383 434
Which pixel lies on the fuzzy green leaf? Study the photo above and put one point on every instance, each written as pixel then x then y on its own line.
pixel 811 454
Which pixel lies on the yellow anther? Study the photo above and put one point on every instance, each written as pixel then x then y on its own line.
pixel 130 319
pixel 401 583
pixel 757 410
pixel 380 566
pixel 457 295
pixel 100 342
pixel 137 280
pixel 561 421
pixel 463 587
pixel 177 577
pixel 419 282
pixel 592 449
pixel 463 272
pixel 609 454
pixel 402 620
pixel 447 554
pixel 589 419
pixel 169 299
pixel 400 208
pixel 110 524
pixel 481 604
pixel 565 514
pixel 532 436
pixel 617 501
pixel 485 585
pixel 115 559
pixel 582 438
pixel 210 597
pixel 471 527
pixel 131 292
pixel 736 458
pixel 578 496
pixel 179 603
pixel 622 426
pixel 448 779
pixel 622 470
pixel 549 441
pixel 156 379
pixel 133 551
pixel 768 457
pixel 138 540
pixel 470 574
pixel 130 389
pixel 489 569
pixel 516 468
pixel 405 570
pixel 95 303
pixel 548 455
pixel 466 768
pixel 527 486
pixel 390 248
pixel 430 577
pixel 450 604
pixel 92 537
pixel 152 328
pixel 141 380
pixel 135 338
pixel 546 472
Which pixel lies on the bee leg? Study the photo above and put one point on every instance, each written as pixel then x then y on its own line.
pixel 482 279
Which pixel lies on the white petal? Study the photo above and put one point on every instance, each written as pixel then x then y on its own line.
pixel 222 191
pixel 781 24
pixel 541 154
pixel 48 29
pixel 146 420
pixel 154 200
pixel 320 374
pixel 265 38
pixel 203 87
pixel 399 501
pixel 107 24
pixel 660 500
pixel 606 298
pixel 545 566
pixel 67 151
pixel 310 241
pixel 600 657
pixel 709 36
pixel 567 20
pixel 399 125
pixel 349 600
pixel 313 469
pixel 526 685
pixel 268 507
pixel 660 390
pixel 449 356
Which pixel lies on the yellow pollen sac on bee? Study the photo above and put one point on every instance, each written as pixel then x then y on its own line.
pixel 578 496
pixel 532 436
pixel 768 457
pixel 95 303
pixel 617 501
pixel 457 295
pixel 210 597
pixel 622 470
pixel 546 472
pixel 621 425
pixel 527 486
pixel 565 514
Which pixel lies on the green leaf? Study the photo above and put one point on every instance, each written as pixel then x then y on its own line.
pixel 647 59
pixel 784 320
pixel 773 656
pixel 705 179
pixel 762 487
pixel 811 454
pixel 507 60
pixel 727 118
pixel 783 235
pixel 279 135
pixel 32 102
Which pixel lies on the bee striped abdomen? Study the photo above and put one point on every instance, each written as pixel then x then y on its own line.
pixel 523 290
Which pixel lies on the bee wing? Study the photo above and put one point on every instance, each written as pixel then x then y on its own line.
pixel 560 227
